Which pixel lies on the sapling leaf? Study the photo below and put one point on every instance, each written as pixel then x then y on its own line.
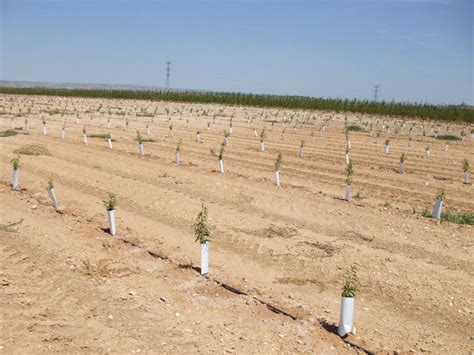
pixel 201 226
pixel 278 161
pixel 111 202
pixel 441 196
pixel 139 138
pixel 351 282
pixel 220 154
pixel 16 163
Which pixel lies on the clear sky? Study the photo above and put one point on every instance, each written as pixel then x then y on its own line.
pixel 417 50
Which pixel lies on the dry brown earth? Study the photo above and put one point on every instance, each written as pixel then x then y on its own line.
pixel 67 286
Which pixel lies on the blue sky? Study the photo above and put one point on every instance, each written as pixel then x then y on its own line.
pixel 417 50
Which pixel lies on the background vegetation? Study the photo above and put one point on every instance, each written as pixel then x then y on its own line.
pixel 420 110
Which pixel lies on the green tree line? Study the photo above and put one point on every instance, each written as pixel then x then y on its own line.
pixel 413 110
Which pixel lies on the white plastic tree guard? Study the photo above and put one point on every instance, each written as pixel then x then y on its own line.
pixel 346 316
pixel 111 217
pixel 204 258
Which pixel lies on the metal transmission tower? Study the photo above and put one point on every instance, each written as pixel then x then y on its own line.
pixel 168 68
pixel 376 91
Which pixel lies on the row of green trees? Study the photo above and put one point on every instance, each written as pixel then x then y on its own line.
pixel 419 110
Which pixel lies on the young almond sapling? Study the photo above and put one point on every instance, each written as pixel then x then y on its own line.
pixel 51 193
pixel 140 143
pixel 278 162
pixel 349 292
pixel 220 157
pixel 262 140
pixel 302 149
pixel 438 207
pixel 45 128
pixel 16 173
pixel 349 173
pixel 465 168
pixel 84 135
pixel 387 146
pixel 178 150
pixel 402 164
pixel 110 205
pixel 202 233
pixel 109 140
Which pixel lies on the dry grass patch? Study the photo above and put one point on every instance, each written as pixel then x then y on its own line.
pixel 33 149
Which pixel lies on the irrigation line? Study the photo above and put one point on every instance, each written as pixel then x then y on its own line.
pixel 232 289
pixel 239 292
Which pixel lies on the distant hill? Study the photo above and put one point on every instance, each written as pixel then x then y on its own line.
pixel 31 84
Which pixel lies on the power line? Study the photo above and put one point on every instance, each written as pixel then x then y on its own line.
pixel 376 91
pixel 168 69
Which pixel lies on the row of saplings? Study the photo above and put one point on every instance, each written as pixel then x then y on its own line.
pixel 202 232
pixel 15 182
pixel 220 154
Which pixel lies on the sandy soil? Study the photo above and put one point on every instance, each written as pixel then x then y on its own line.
pixel 66 285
